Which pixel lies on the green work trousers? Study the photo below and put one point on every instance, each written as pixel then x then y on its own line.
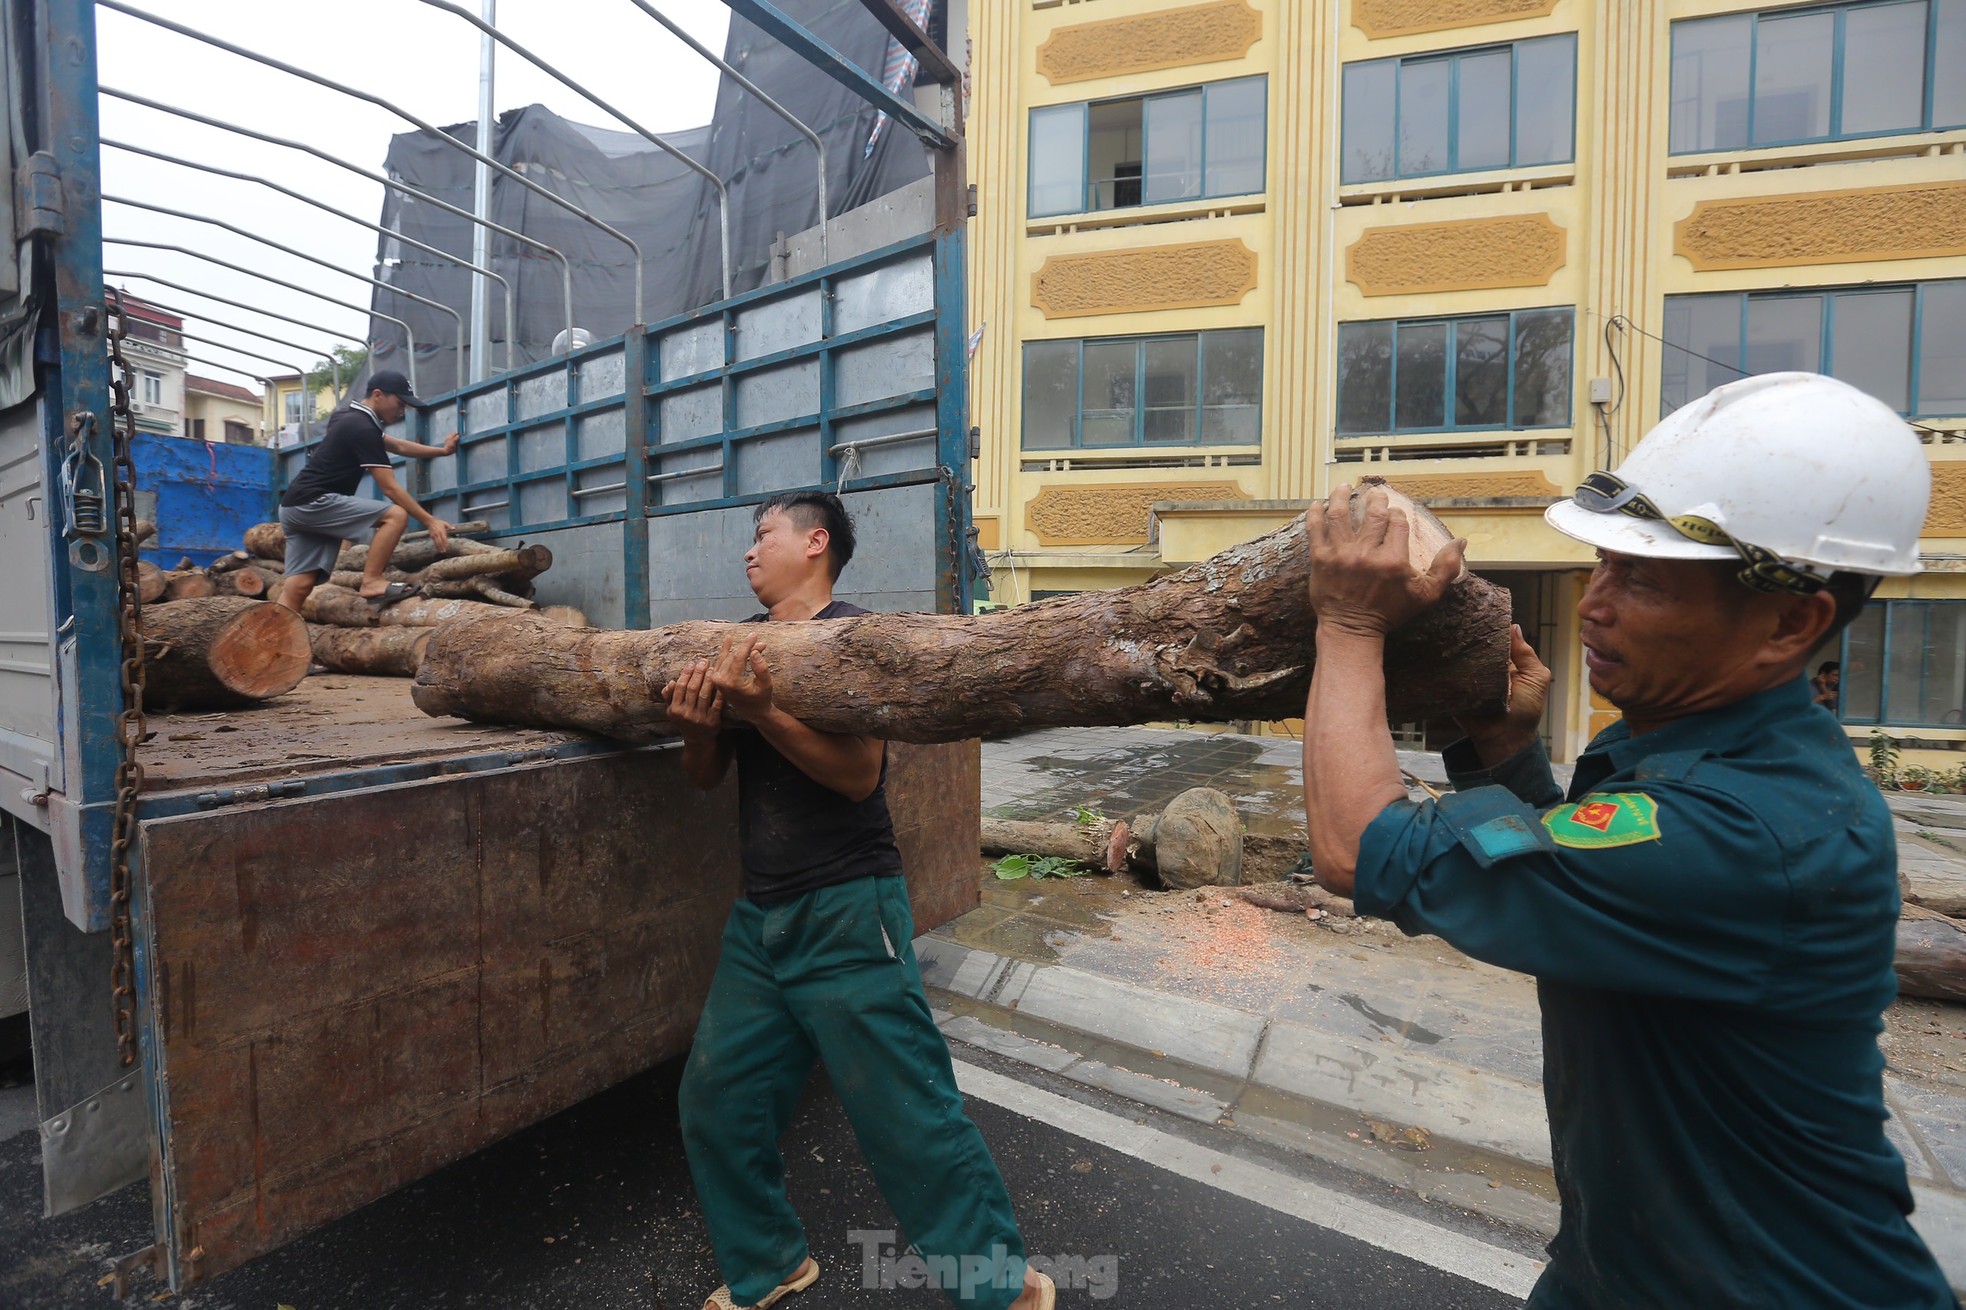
pixel 831 976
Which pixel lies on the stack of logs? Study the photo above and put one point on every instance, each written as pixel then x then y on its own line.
pixel 467 579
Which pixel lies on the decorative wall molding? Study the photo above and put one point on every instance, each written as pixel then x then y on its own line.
pixel 1192 275
pixel 1377 18
pixel 989 531
pixel 1515 484
pixel 1140 43
pixel 1920 221
pixel 1515 250
pixel 1947 515
pixel 1113 514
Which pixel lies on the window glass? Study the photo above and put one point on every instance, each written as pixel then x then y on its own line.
pixel 1904 668
pixel 1058 160
pixel 1171 385
pixel 1481 372
pixel 1236 120
pixel 1111 369
pixel 1792 77
pixel 1884 68
pixel 1870 344
pixel 1863 665
pixel 1173 145
pixel 1365 377
pixel 1944 700
pixel 1422 376
pixel 1113 154
pixel 1051 393
pixel 1942 350
pixel 1949 50
pixel 1482 101
pixel 1232 387
pixel 1542 368
pixel 1784 333
pixel 1423 105
pixel 1710 60
pixel 1545 102
pixel 1703 347
pixel 1368 115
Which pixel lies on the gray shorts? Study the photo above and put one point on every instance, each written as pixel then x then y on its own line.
pixel 316 530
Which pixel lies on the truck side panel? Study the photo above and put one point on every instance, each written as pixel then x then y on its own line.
pixel 350 992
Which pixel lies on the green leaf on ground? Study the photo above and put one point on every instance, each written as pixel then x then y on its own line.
pixel 1012 867
pixel 1085 817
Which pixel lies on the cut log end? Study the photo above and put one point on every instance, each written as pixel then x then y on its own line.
pixel 263 652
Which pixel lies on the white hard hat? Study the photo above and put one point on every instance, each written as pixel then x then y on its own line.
pixel 1797 474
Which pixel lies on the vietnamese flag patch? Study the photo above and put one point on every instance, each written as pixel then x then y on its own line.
pixel 1604 820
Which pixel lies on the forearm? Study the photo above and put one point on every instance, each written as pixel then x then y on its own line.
pixel 1350 771
pixel 413 449
pixel 706 757
pixel 396 494
pixel 845 764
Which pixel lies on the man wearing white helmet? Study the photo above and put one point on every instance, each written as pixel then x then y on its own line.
pixel 1710 913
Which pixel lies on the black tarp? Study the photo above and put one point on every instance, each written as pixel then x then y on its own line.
pixel 629 183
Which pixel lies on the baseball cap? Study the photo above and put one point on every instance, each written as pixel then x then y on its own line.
pixel 391 383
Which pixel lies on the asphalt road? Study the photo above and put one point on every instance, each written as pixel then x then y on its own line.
pixel 593 1209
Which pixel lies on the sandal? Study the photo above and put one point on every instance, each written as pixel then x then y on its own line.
pixel 803 1277
pixel 394 592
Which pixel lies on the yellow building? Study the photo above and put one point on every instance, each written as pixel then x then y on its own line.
pixel 222 411
pixel 291 416
pixel 1230 254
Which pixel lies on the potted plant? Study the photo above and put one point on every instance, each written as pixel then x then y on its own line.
pixel 1883 758
pixel 1914 778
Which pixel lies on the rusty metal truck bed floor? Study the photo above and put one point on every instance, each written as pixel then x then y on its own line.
pixel 331 723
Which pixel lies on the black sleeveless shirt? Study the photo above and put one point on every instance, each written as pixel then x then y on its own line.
pixel 797 835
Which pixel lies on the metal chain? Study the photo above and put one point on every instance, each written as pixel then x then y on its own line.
pixel 129 725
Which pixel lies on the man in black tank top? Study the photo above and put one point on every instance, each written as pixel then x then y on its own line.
pixel 818 965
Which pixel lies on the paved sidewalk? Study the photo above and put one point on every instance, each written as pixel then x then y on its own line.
pixel 1398 1058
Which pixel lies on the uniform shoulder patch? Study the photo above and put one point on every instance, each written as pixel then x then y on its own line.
pixel 1604 819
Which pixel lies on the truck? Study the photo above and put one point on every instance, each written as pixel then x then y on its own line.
pixel 285 965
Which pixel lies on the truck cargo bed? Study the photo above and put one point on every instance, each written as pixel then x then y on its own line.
pixel 332 723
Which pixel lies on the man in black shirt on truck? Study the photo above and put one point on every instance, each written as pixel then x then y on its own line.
pixel 818 965
pixel 320 510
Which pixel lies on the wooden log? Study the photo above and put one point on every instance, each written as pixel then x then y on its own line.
pixel 240 582
pixel 565 615
pixel 220 652
pixel 238 559
pixel 524 562
pixel 150 582
pixel 352 578
pixel 144 531
pixel 415 549
pixel 1088 843
pixel 485 589
pixel 185 564
pixel 346 609
pixel 188 584
pixel 1230 638
pixel 390 652
pixel 1195 842
pixel 1931 959
pixel 266 541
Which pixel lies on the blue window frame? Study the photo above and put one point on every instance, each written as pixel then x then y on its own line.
pixel 1827 73
pixel 1480 372
pixel 1199 142
pixel 1183 389
pixel 1904 665
pixel 1904 344
pixel 1461 111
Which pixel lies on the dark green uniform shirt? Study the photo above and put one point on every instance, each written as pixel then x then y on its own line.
pixel 1710 917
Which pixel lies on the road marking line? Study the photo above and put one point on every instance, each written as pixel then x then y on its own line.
pixel 1389 1230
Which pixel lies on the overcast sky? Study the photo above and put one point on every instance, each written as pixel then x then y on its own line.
pixel 407 52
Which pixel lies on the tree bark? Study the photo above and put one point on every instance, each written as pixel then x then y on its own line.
pixel 391 652
pixel 524 562
pixel 344 608
pixel 221 652
pixel 238 559
pixel 414 551
pixel 188 584
pixel 145 529
pixel 267 541
pixel 1931 958
pixel 150 582
pixel 1088 843
pixel 1230 638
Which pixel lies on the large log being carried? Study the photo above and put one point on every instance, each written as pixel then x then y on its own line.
pixel 220 652
pixel 1230 638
